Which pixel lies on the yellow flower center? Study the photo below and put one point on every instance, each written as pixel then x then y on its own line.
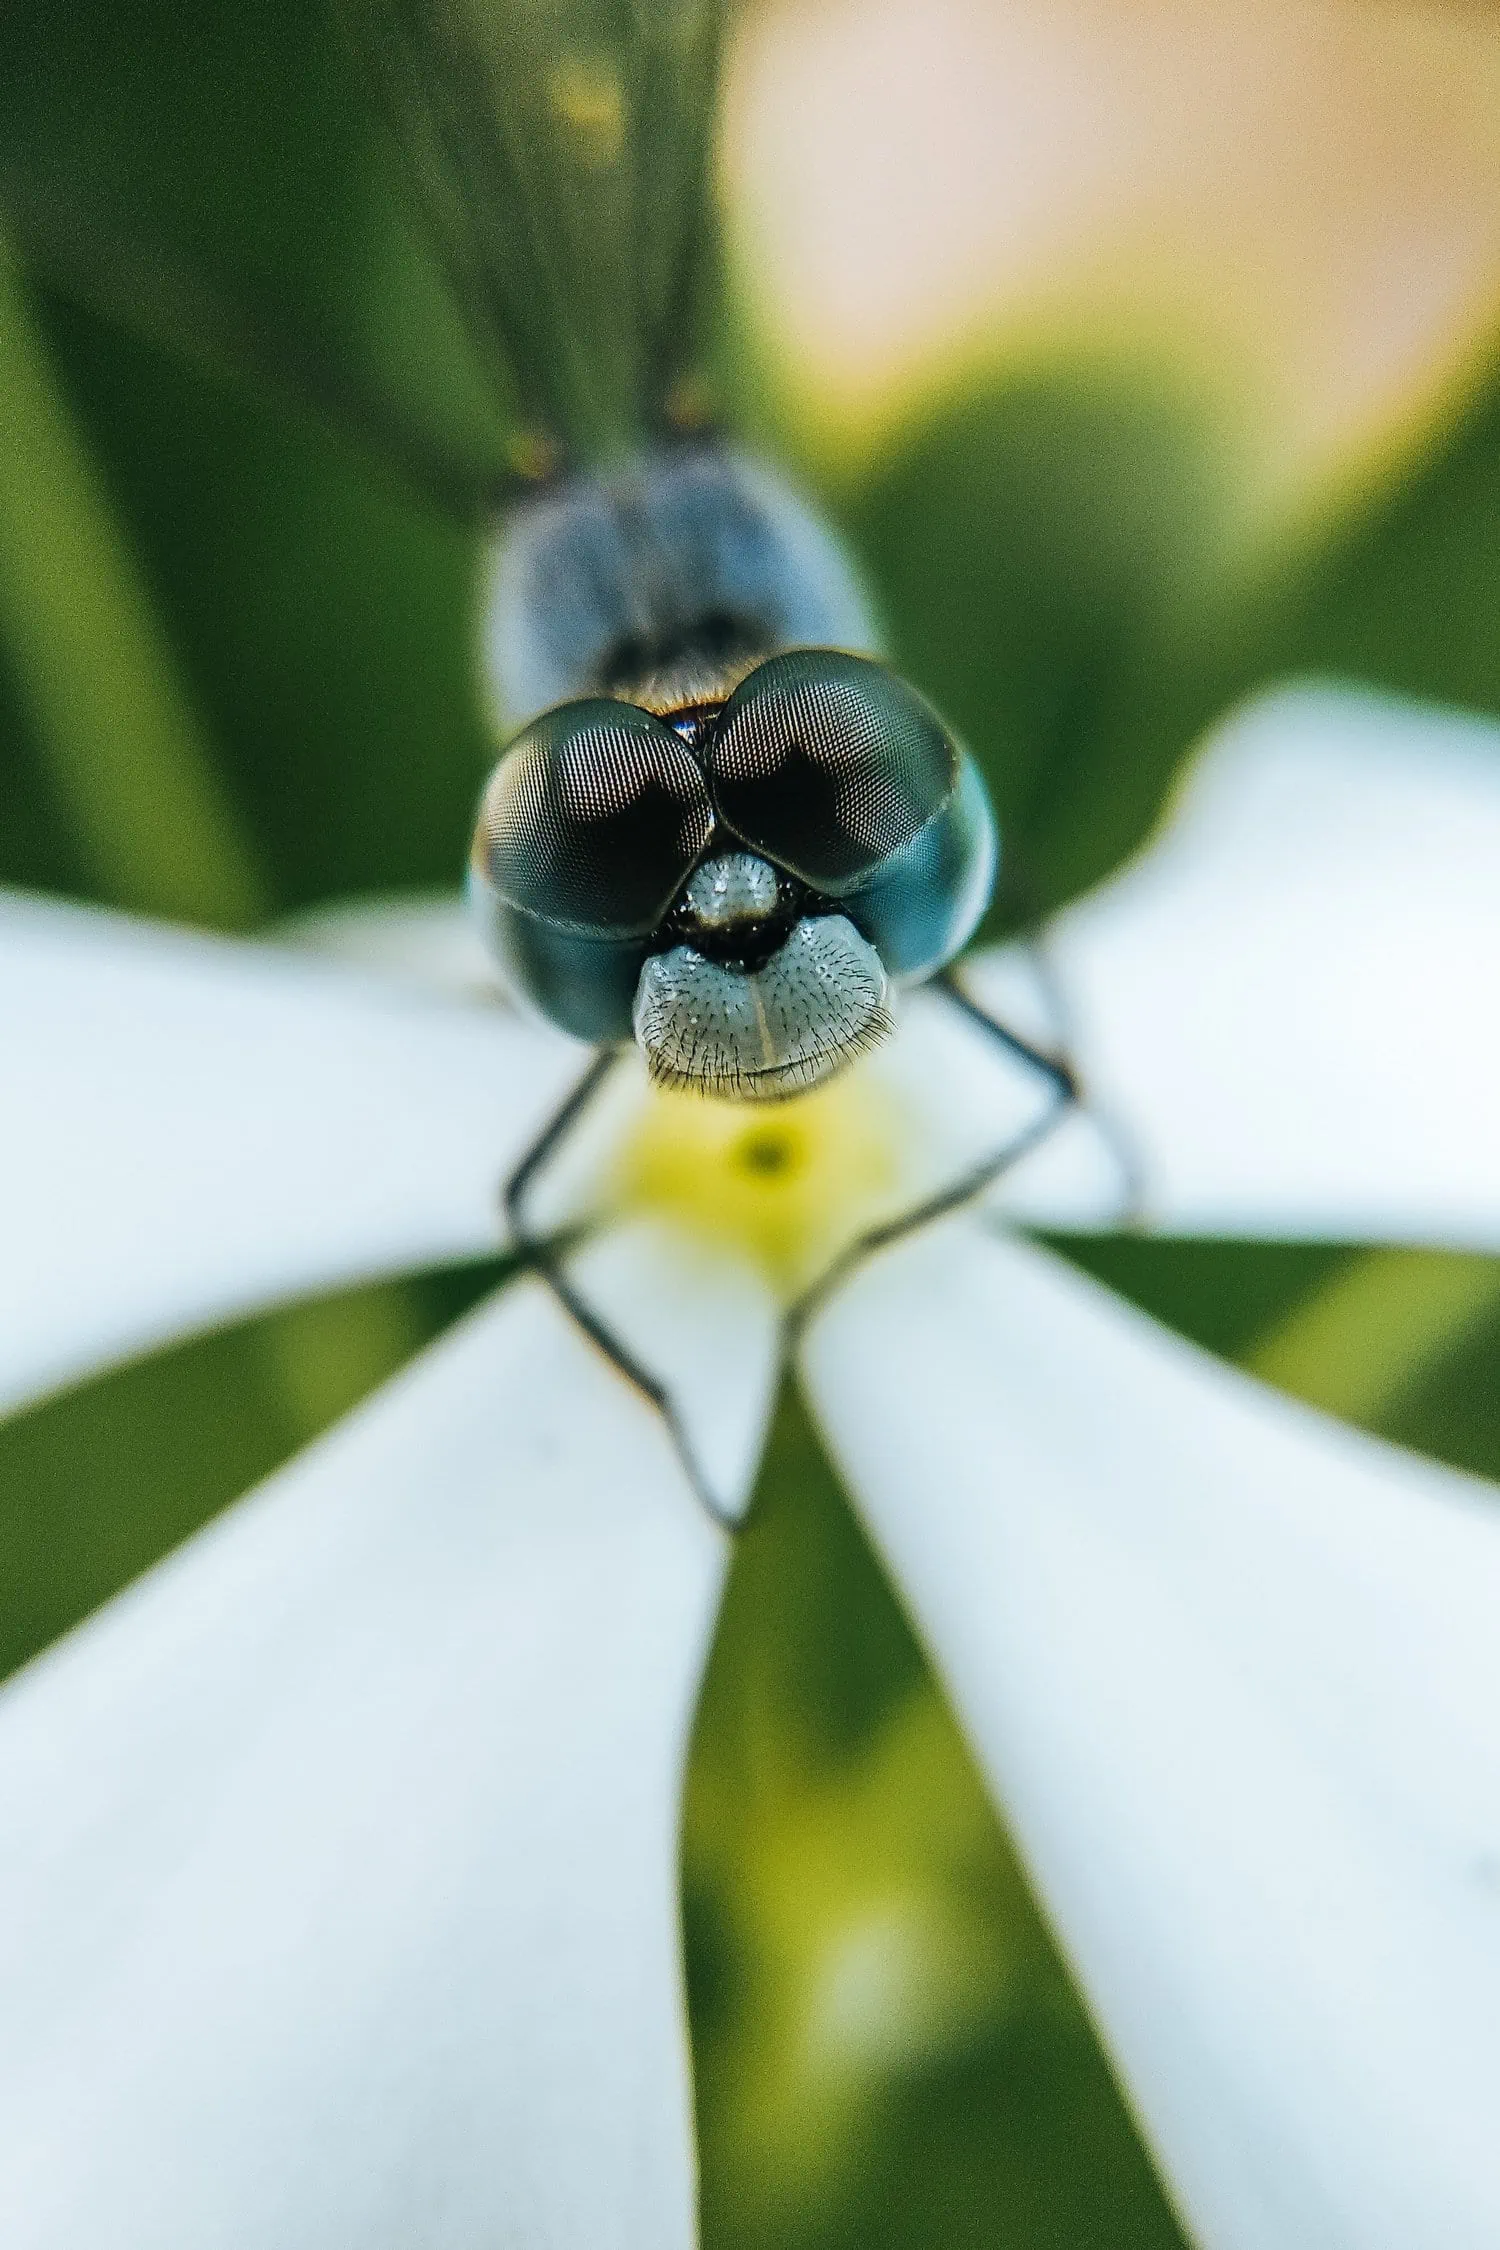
pixel 789 1184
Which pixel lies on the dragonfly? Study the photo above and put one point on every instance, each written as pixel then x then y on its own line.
pixel 721 829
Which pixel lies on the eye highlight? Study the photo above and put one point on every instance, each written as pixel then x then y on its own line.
pixel 593 819
pixel 828 764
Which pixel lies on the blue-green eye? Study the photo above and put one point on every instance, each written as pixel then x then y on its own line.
pixel 828 764
pixel 590 825
pixel 594 818
pixel 838 771
pixel 923 903
pixel 854 800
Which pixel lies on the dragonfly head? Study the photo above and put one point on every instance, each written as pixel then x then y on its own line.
pixel 736 886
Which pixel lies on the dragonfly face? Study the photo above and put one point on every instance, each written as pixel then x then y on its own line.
pixel 733 856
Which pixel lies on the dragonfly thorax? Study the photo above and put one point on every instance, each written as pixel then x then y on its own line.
pixel 664 582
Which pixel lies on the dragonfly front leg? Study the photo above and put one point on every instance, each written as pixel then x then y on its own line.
pixel 543 1256
pixel 1065 1097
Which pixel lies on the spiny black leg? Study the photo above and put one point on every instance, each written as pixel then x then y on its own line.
pixel 1109 1129
pixel 625 1363
pixel 545 1260
pixel 1114 1135
pixel 969 1184
pixel 1057 1068
pixel 951 1198
pixel 528 1246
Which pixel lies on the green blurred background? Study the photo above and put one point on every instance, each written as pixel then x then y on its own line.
pixel 236 679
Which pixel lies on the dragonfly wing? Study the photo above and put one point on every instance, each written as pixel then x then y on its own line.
pixel 561 150
pixel 679 54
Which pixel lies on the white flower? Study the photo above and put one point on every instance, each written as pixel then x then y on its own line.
pixel 338 1856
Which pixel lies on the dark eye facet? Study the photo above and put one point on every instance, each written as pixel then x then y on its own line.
pixel 593 819
pixel 828 764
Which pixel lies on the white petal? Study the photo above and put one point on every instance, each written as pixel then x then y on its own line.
pixel 961 1094
pixel 338 1891
pixel 428 937
pixel 189 1129
pixel 1234 1672
pixel 1289 999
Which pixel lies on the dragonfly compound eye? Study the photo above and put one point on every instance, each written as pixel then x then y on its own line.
pixel 589 826
pixel 828 763
pixel 833 768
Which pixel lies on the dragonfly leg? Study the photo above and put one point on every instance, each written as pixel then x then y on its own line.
pixel 543 1256
pixel 1056 1068
pixel 1066 1096
pixel 1114 1135
pixel 959 1191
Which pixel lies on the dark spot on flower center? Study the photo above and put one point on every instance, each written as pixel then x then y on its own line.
pixel 765 1153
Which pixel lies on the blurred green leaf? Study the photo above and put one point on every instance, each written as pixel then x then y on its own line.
pixel 131 767
pixel 1449 1405
pixel 324 620
pixel 99 1483
pixel 217 178
pixel 1377 1327
pixel 1393 582
pixel 1405 592
pixel 320 615
pixel 1403 1342
pixel 1064 572
pixel 1228 1296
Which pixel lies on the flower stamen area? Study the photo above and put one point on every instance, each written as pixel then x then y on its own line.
pixel 789 1187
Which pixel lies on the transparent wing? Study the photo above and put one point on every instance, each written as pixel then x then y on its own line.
pixel 561 151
